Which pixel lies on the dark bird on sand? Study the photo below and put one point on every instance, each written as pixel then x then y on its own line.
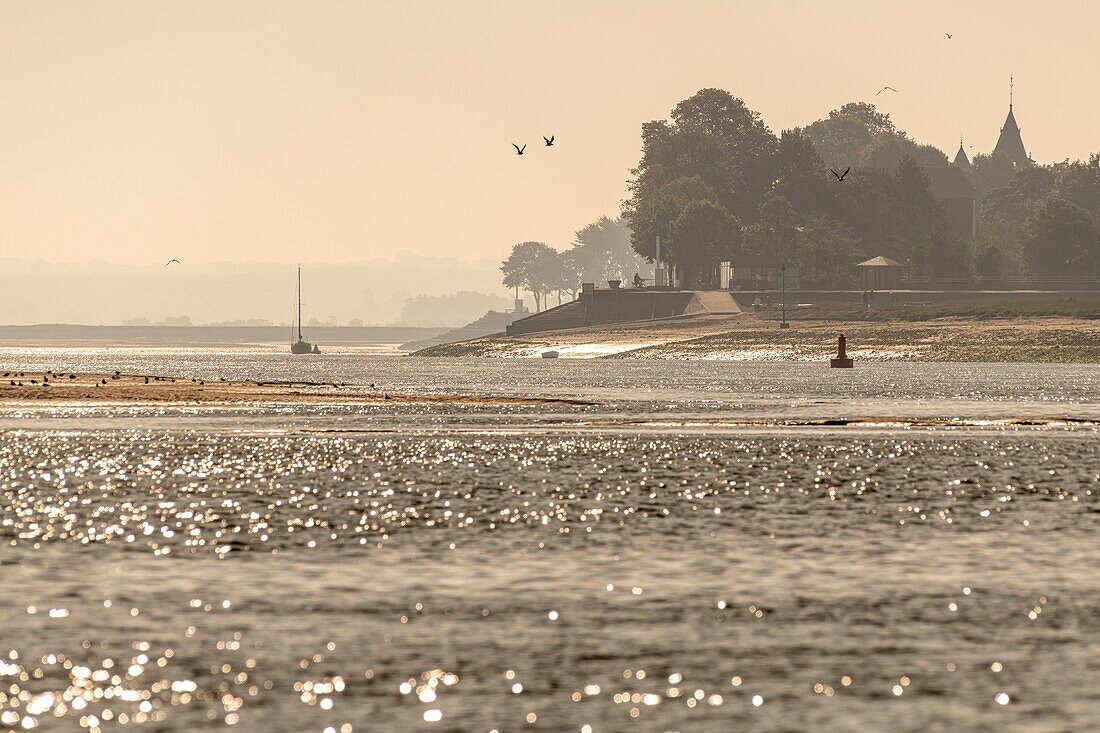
pixel 549 140
pixel 171 261
pixel 885 89
pixel 840 176
pixel 519 150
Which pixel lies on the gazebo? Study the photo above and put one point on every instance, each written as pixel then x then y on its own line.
pixel 880 273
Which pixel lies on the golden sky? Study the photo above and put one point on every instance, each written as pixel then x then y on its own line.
pixel 335 131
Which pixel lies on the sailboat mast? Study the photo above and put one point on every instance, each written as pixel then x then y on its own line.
pixel 299 302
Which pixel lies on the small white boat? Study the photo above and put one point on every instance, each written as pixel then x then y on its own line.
pixel 550 354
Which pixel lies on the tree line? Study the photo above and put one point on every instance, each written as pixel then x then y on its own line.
pixel 717 185
pixel 599 252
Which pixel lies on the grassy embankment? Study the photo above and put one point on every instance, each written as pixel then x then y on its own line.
pixel 963 308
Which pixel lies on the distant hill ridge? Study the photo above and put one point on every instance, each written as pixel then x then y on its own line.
pixel 211 334
pixel 489 324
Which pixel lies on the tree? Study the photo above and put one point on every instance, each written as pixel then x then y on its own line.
pixel 602 251
pixel 1021 198
pixel 915 213
pixel 770 242
pixel 714 140
pixel 561 275
pixel 571 272
pixel 660 209
pixel 863 204
pixel 990 172
pixel 800 175
pixel 1062 239
pixel 744 142
pixel 533 266
pixel 824 252
pixel 842 138
pixel 860 136
pixel 704 234
pixel 822 248
pixel 1079 183
pixel 944 253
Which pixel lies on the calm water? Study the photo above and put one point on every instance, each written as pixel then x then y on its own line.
pixel 674 557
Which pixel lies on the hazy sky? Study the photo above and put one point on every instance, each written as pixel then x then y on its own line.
pixel 335 131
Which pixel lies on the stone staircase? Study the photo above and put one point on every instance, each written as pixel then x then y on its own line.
pixel 714 302
pixel 626 306
pixel 567 315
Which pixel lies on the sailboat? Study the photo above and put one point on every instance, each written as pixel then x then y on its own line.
pixel 301 346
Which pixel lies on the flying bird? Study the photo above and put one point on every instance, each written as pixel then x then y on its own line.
pixel 948 35
pixel 171 261
pixel 549 140
pixel 880 91
pixel 840 176
pixel 519 150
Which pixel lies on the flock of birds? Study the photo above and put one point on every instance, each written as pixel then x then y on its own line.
pixel 520 149
pixel 549 144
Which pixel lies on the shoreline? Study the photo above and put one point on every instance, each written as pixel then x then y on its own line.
pixel 1056 339
pixel 22 390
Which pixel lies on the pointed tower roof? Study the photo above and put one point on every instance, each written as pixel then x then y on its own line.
pixel 961 160
pixel 1010 144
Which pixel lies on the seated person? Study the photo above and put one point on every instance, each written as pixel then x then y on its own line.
pixel 638 281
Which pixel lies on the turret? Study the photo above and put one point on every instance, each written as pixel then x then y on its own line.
pixel 1010 144
pixel 961 160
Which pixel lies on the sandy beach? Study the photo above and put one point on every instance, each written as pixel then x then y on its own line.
pixel 22 389
pixel 751 338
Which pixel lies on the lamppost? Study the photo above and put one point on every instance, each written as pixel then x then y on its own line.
pixel 783 278
pixel 782 271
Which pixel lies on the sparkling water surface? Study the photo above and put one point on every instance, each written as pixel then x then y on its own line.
pixel 673 556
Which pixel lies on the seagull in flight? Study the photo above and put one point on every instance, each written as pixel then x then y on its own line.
pixel 840 176
pixel 949 36
pixel 549 140
pixel 519 150
pixel 171 261
pixel 884 89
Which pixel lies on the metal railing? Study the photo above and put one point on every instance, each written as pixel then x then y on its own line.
pixel 1002 282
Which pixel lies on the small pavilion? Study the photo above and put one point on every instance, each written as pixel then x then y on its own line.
pixel 880 273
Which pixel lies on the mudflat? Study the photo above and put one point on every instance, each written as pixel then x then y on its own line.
pixel 1056 339
pixel 22 388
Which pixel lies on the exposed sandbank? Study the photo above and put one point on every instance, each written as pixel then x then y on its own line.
pixel 749 338
pixel 23 389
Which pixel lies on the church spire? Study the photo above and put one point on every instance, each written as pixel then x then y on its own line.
pixel 961 160
pixel 1010 144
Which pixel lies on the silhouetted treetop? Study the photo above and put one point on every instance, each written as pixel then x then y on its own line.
pixel 860 136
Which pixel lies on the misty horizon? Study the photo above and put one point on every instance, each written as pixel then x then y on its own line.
pixel 207 131
pixel 590 366
pixel 374 292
